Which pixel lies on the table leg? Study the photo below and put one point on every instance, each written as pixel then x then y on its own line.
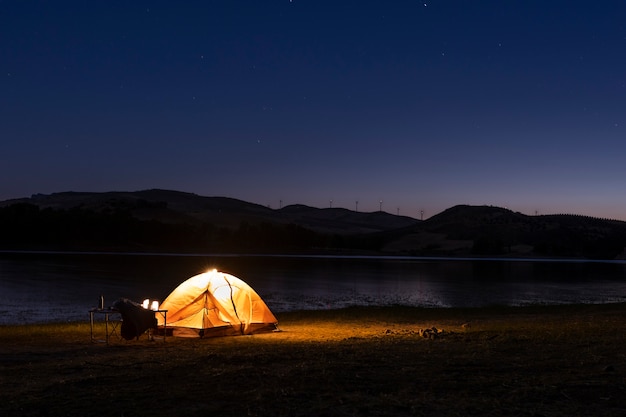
pixel 106 326
pixel 91 324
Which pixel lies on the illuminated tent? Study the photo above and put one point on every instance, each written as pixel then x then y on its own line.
pixel 215 304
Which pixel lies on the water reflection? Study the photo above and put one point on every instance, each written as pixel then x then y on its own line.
pixel 44 287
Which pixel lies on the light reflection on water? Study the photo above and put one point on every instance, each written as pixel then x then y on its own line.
pixel 62 287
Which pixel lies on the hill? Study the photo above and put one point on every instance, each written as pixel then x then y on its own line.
pixel 493 231
pixel 158 220
pixel 163 220
pixel 175 207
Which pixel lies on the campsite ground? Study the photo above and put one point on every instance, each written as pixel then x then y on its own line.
pixel 532 361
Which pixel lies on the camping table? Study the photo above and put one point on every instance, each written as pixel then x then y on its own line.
pixel 110 327
pixel 164 314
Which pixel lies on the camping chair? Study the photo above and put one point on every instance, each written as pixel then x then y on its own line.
pixel 136 320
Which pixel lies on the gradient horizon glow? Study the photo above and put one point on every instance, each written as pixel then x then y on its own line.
pixel 420 105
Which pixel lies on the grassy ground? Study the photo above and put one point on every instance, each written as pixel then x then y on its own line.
pixel 533 361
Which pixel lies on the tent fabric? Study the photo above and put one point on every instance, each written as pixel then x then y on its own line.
pixel 214 304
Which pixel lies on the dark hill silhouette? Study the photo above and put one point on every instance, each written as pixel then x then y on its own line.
pixel 165 206
pixel 344 221
pixel 159 220
pixel 176 207
pixel 494 231
pixel 163 220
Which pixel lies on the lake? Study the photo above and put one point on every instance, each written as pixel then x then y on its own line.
pixel 44 287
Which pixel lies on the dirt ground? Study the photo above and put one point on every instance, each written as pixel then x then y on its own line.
pixel 531 361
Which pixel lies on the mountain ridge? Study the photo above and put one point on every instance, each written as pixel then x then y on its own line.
pixel 183 221
pixel 179 207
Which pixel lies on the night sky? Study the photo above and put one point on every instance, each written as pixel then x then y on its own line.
pixel 419 104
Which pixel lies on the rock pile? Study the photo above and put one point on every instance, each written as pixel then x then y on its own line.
pixel 431 333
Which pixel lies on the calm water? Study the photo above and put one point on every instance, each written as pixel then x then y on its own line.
pixel 62 287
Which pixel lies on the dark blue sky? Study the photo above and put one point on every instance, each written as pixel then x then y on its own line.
pixel 420 105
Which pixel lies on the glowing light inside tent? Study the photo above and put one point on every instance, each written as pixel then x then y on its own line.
pixel 223 293
pixel 210 301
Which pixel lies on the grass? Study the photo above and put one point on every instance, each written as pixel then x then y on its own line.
pixel 500 361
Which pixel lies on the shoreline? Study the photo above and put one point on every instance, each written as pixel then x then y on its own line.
pixel 362 308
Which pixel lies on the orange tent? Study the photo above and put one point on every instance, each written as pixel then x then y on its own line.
pixel 215 304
